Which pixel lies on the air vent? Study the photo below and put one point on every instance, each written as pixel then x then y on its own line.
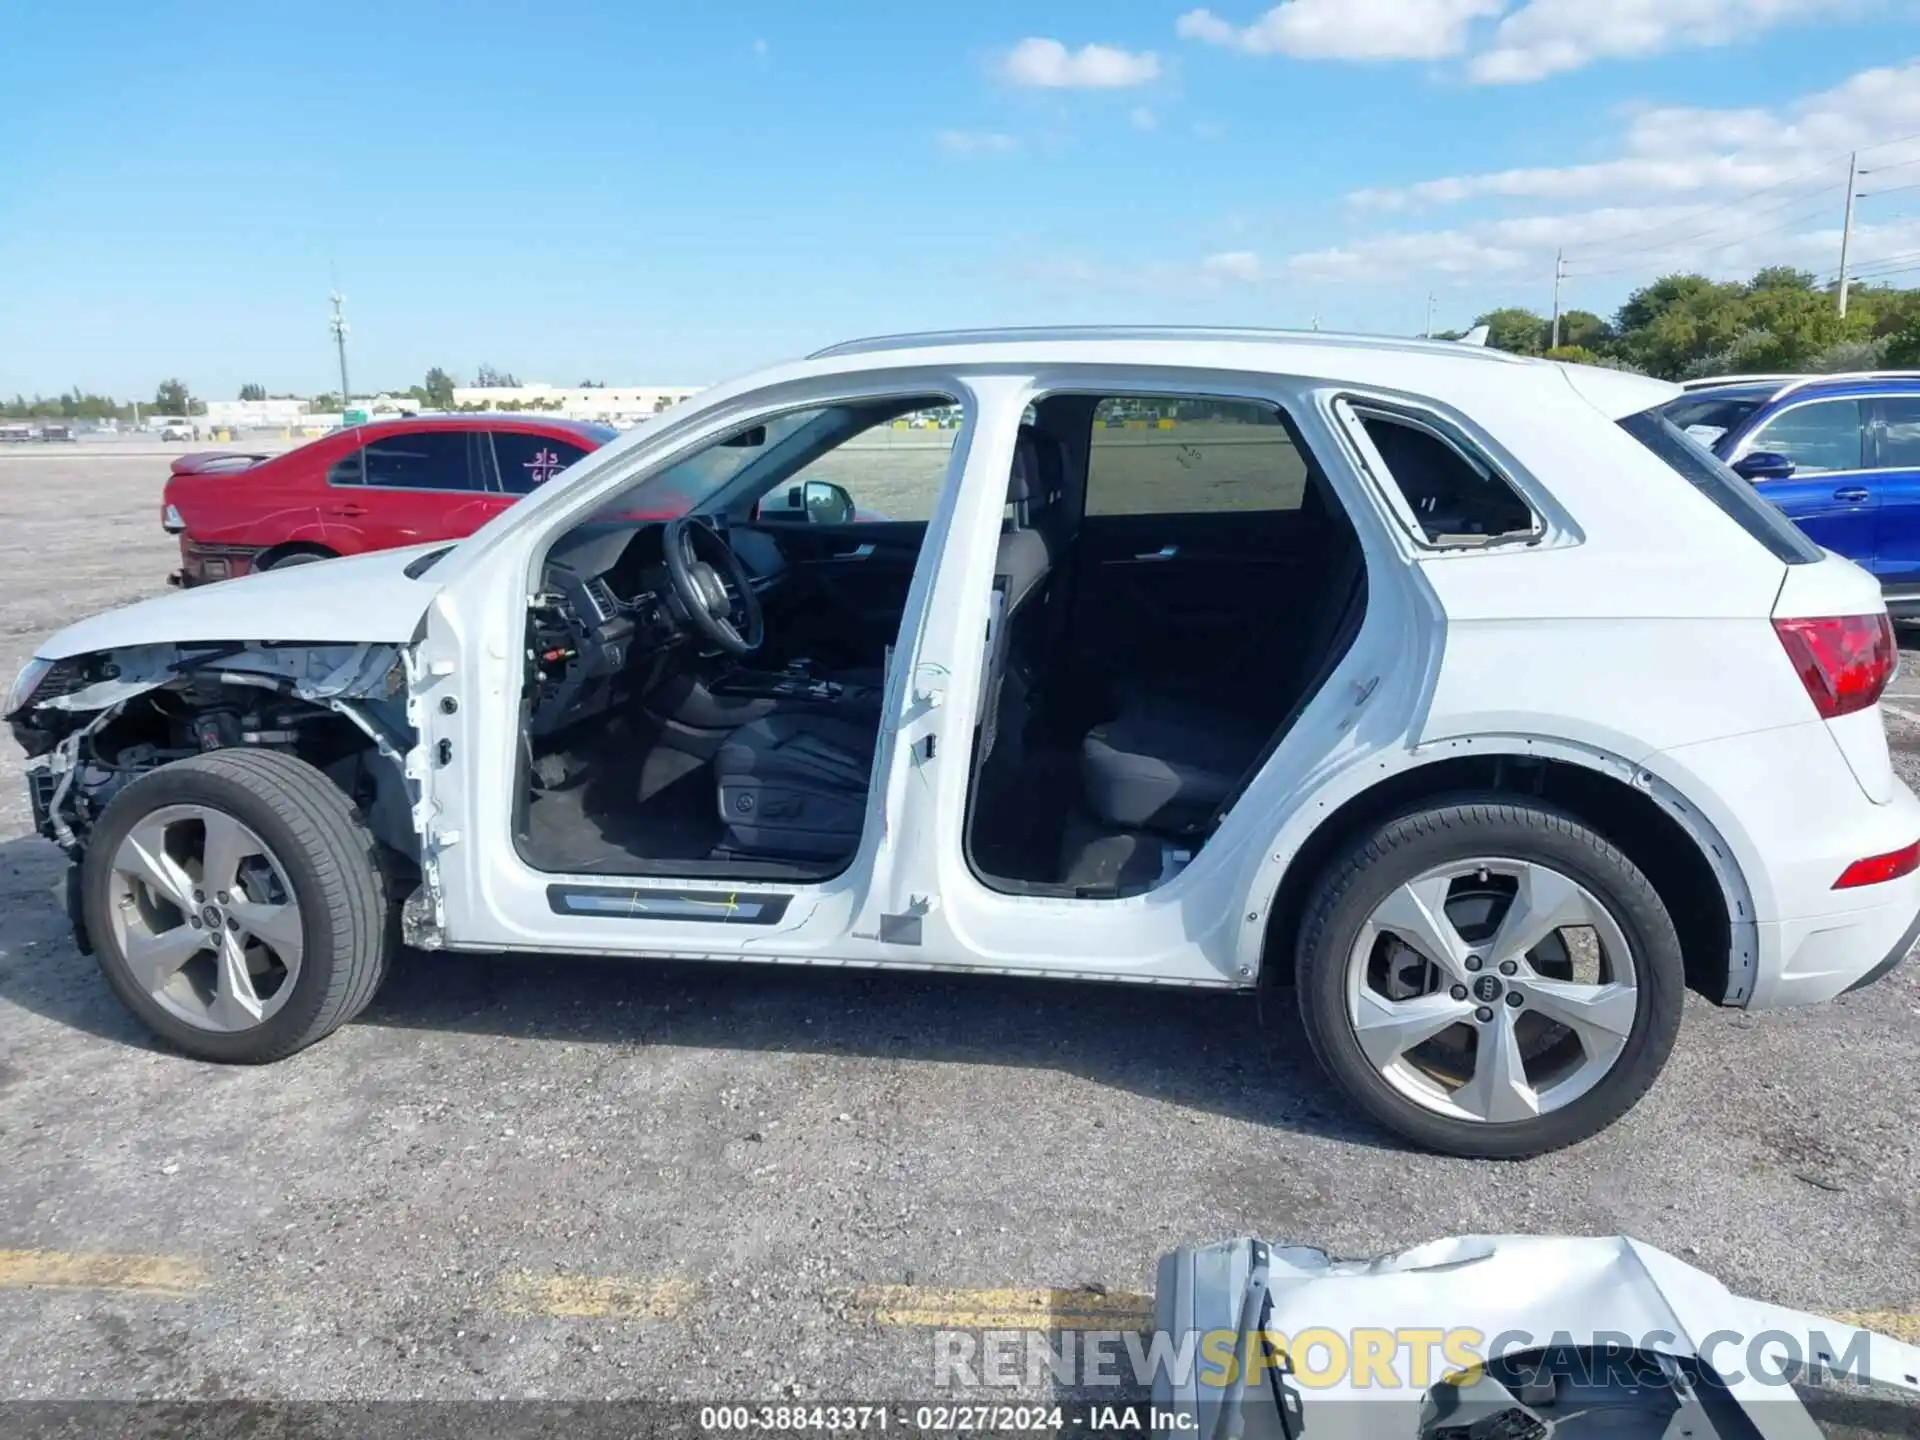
pixel 601 594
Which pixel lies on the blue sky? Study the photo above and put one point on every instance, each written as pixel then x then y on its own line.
pixel 644 193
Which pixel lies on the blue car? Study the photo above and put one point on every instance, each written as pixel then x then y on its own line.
pixel 1840 454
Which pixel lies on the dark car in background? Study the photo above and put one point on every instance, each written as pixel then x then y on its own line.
pixel 1840 454
pixel 366 487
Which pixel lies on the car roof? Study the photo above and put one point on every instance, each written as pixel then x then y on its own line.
pixel 1838 386
pixel 483 420
pixel 1448 371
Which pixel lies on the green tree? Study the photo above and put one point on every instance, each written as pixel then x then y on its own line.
pixel 173 398
pixel 488 378
pixel 1520 331
pixel 1586 330
pixel 253 392
pixel 438 390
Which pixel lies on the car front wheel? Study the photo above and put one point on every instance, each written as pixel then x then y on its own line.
pixel 237 904
pixel 1490 978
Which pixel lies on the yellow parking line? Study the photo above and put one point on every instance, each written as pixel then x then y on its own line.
pixel 596 1297
pixel 1010 1309
pixel 1898 1324
pixel 58 1270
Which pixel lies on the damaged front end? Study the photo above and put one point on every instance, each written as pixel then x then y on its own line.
pixel 92 724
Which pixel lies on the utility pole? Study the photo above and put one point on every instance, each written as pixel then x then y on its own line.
pixel 338 325
pixel 1559 274
pixel 1429 329
pixel 1846 228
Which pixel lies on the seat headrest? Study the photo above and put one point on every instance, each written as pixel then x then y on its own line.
pixel 1023 480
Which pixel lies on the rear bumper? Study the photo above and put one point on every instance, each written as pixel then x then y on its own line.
pixel 202 564
pixel 1792 812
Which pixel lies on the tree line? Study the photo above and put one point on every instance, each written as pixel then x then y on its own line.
pixel 1682 327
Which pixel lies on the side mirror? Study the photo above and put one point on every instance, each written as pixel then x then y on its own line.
pixel 751 438
pixel 813 502
pixel 826 503
pixel 1764 465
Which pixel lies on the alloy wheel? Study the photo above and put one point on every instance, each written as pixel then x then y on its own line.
pixel 1492 990
pixel 205 919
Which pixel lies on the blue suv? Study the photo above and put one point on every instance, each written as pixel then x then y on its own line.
pixel 1840 454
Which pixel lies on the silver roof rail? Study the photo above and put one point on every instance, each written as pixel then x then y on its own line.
pixel 1803 381
pixel 1242 334
pixel 1707 382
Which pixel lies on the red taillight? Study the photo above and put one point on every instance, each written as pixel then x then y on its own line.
pixel 1878 869
pixel 1845 661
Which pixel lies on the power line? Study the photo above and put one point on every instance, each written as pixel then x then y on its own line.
pixel 1605 255
pixel 1718 207
pixel 1788 224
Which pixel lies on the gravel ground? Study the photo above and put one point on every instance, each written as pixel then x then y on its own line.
pixel 545 1178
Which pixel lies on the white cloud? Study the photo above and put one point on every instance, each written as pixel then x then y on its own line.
pixel 1209 130
pixel 1141 118
pixel 1546 37
pixel 1047 64
pixel 1349 29
pixel 1241 265
pixel 976 142
pixel 1676 151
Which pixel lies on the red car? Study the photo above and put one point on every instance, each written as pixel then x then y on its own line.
pixel 368 487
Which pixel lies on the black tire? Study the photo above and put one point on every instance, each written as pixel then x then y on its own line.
pixel 1460 828
pixel 295 557
pixel 331 861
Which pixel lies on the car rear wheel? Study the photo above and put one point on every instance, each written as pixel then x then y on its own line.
pixel 237 904
pixel 1490 978
pixel 295 557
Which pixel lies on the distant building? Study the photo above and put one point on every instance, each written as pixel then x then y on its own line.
pixel 593 402
pixel 254 414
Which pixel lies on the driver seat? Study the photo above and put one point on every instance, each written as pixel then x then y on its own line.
pixel 793 784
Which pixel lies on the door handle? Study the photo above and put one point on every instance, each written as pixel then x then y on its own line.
pixel 859 552
pixel 1165 552
pixel 1851 496
pixel 350 511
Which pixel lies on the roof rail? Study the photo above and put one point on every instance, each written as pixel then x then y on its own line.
pixel 1706 382
pixel 1803 381
pixel 1245 334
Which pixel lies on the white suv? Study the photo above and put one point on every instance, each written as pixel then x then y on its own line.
pixel 1462 693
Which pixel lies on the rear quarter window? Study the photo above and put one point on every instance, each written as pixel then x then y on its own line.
pixel 1738 500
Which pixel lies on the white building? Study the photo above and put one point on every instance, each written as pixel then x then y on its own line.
pixel 254 414
pixel 611 402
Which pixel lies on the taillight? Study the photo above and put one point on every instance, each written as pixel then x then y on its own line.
pixel 170 520
pixel 1845 661
pixel 1878 869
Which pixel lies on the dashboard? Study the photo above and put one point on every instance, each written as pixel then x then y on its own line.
pixel 607 617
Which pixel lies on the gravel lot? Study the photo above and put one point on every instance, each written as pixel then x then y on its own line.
pixel 533 1177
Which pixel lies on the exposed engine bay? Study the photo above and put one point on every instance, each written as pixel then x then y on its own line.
pixel 97 722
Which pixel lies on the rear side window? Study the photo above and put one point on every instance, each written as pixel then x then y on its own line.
pixel 526 462
pixel 433 460
pixel 1900 432
pixel 1455 496
pixel 1738 500
pixel 1182 456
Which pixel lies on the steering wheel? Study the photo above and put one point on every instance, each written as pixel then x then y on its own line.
pixel 714 592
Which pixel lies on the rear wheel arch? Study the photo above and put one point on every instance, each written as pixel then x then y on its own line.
pixel 1689 863
pixel 299 551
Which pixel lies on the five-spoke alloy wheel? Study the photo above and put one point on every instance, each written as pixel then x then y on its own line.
pixel 1490 978
pixel 237 904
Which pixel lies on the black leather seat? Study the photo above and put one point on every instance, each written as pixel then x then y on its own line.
pixel 793 784
pixel 1164 765
pixel 1169 764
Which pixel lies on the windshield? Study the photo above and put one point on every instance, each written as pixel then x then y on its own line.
pixel 1709 418
pixel 751 460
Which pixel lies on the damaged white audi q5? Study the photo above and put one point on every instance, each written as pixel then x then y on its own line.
pixel 1462 693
